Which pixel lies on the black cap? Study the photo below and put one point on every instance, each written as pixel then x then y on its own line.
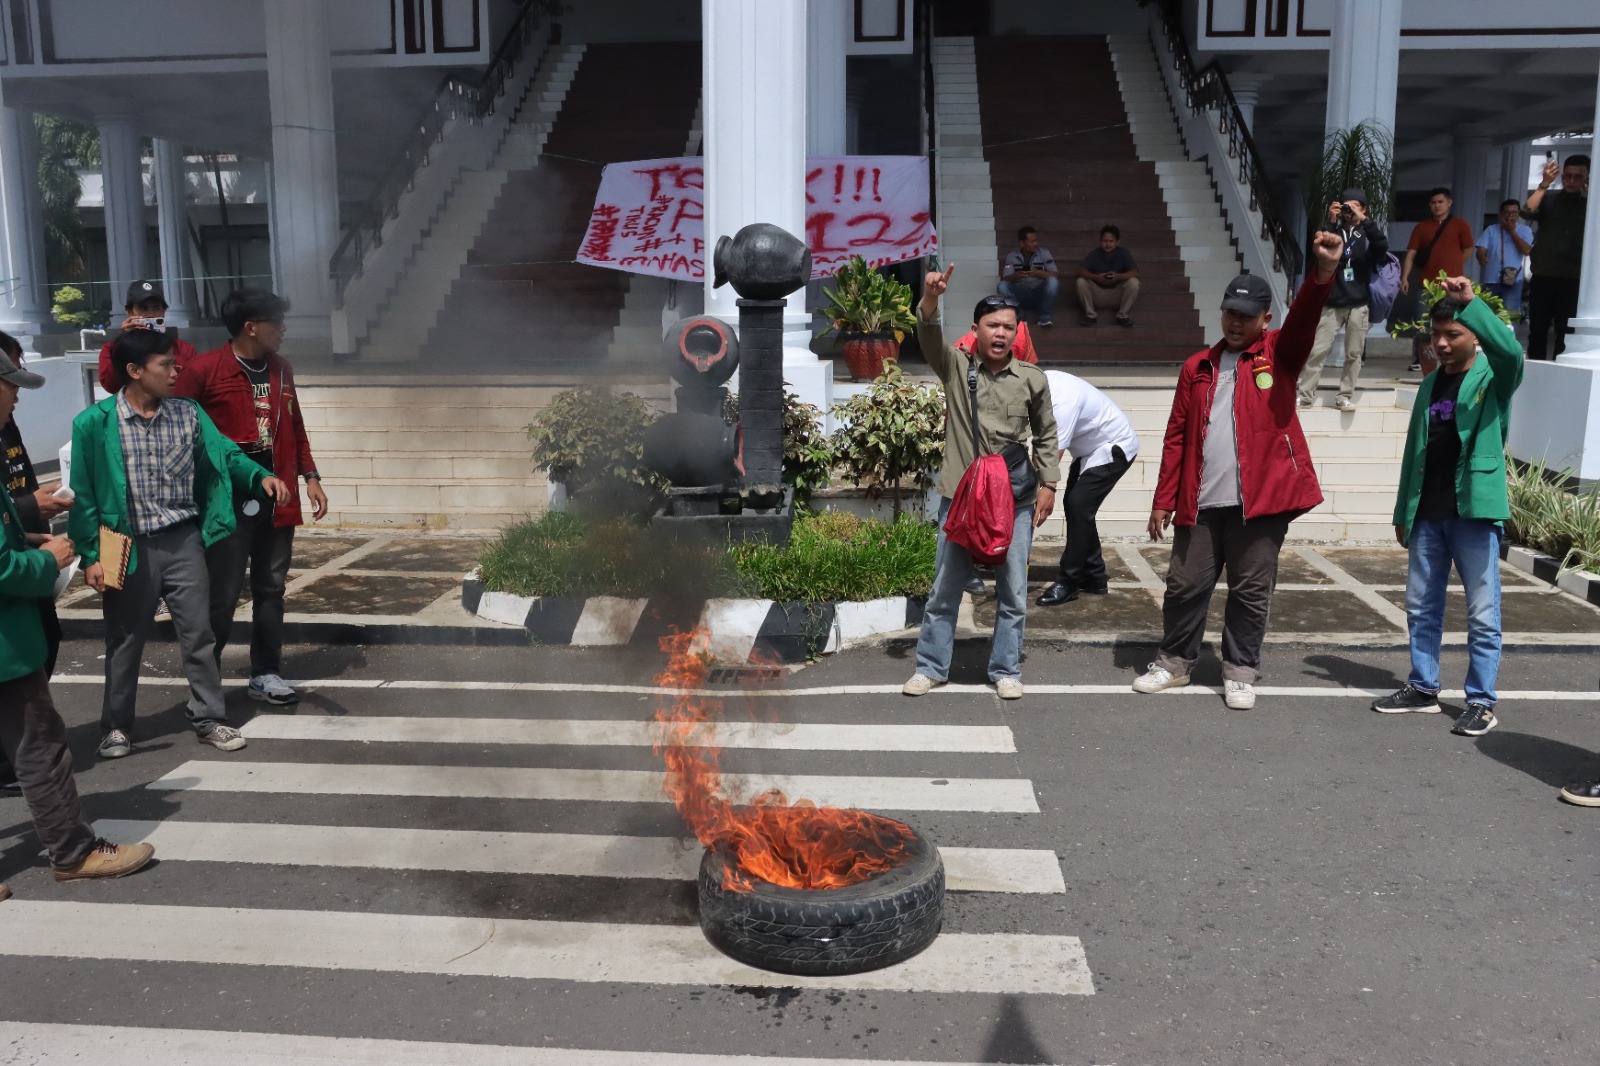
pixel 1356 193
pixel 142 291
pixel 1249 294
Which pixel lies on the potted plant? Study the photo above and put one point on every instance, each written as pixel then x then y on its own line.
pixel 591 440
pixel 890 434
pixel 872 314
pixel 1361 156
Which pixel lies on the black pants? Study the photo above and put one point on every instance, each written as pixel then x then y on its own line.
pixel 265 550
pixel 1551 302
pixel 1082 565
pixel 52 638
pixel 34 739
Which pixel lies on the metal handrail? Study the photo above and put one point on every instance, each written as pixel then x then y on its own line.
pixel 1206 89
pixel 455 99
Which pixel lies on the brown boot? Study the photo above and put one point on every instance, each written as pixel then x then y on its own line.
pixel 5 892
pixel 109 860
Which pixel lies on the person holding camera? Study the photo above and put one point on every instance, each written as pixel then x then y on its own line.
pixel 1557 257
pixel 1029 276
pixel 1235 471
pixel 145 308
pixel 1503 254
pixel 1365 245
pixel 1108 277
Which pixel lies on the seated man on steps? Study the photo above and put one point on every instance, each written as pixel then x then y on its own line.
pixel 1108 277
pixel 1029 276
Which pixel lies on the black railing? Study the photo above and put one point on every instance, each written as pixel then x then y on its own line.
pixel 1207 89
pixel 456 99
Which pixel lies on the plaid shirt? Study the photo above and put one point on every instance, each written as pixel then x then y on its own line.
pixel 159 453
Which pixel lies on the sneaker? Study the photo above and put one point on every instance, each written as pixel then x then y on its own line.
pixel 1239 695
pixel 919 685
pixel 1583 794
pixel 1344 403
pixel 1124 321
pixel 1009 688
pixel 1303 402
pixel 1414 368
pixel 109 860
pixel 114 745
pixel 270 688
pixel 1408 698
pixel 1046 323
pixel 1476 721
pixel 976 586
pixel 222 737
pixel 1087 320
pixel 1156 678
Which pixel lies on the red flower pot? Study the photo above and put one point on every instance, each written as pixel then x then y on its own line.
pixel 866 353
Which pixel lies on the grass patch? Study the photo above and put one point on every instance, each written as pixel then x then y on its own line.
pixel 831 556
pixel 1557 522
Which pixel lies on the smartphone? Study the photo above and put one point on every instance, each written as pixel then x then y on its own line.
pixel 157 324
pixel 1549 157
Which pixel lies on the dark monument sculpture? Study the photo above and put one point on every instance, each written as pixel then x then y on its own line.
pixel 727 482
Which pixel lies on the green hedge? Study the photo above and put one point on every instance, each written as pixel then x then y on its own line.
pixel 1544 515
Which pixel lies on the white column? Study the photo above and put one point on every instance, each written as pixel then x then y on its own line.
pixel 1247 93
pixel 826 54
pixel 23 307
pixel 123 179
pixel 304 212
pixel 172 207
pixel 1363 63
pixel 1556 414
pixel 1469 179
pixel 1514 171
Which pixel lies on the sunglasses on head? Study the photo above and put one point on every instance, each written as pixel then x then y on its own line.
pixel 998 303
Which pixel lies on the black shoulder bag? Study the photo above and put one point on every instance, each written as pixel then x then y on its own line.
pixel 1019 464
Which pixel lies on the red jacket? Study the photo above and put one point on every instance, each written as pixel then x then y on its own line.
pixel 216 381
pixel 1275 473
pixel 113 384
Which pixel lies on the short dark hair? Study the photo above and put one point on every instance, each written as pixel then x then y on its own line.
pixel 1577 161
pixel 251 305
pixel 9 345
pixel 1111 229
pixel 1512 202
pixel 1022 234
pixel 137 346
pixel 1445 309
pixel 1440 191
pixel 992 303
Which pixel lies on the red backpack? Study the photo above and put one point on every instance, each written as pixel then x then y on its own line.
pixel 984 511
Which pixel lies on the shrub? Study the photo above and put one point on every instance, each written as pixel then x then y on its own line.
pixel 892 433
pixel 807 455
pixel 563 554
pixel 837 556
pixel 71 308
pixel 1557 522
pixel 1432 292
pixel 590 435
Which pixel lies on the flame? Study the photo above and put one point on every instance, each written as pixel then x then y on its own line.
pixel 798 845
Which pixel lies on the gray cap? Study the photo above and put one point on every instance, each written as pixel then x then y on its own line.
pixel 13 374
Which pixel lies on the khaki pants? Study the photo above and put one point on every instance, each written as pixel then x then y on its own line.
pixel 1121 296
pixel 1353 320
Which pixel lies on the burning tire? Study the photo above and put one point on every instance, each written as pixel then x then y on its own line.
pixel 812 932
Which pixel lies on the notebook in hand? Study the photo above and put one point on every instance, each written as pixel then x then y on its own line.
pixel 114 550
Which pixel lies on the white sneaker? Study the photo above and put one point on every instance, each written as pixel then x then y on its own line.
pixel 1344 403
pixel 270 688
pixel 919 685
pixel 1240 695
pixel 1156 678
pixel 1009 688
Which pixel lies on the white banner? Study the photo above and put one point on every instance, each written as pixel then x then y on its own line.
pixel 649 216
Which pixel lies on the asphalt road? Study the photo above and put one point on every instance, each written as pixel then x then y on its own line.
pixel 1307 882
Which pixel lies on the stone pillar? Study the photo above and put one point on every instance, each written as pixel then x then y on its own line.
pixel 1514 171
pixel 304 212
pixel 829 34
pixel 1363 64
pixel 1469 179
pixel 1247 93
pixel 1556 414
pixel 23 305
pixel 172 223
pixel 123 180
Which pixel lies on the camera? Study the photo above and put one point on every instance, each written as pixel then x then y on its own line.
pixel 157 324
pixel 1345 210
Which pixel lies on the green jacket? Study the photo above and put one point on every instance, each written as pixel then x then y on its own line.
pixel 100 480
pixel 27 575
pixel 1482 418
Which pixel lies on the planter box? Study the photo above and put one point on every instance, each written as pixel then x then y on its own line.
pixel 1547 568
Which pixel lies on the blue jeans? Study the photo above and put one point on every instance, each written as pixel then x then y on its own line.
pixel 1474 546
pixel 952 568
pixel 1032 296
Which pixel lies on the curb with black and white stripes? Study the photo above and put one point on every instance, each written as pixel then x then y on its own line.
pixel 741 630
pixel 1580 583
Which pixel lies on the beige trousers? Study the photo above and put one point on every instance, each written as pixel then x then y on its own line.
pixel 1353 320
pixel 1121 296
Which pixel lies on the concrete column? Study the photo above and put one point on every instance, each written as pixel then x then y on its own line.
pixel 23 306
pixel 1247 93
pixel 1514 170
pixel 172 205
pixel 1556 414
pixel 304 212
pixel 1469 179
pixel 123 179
pixel 829 33
pixel 1363 64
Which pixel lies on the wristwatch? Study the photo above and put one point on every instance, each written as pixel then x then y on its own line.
pixel 312 475
pixel 1048 485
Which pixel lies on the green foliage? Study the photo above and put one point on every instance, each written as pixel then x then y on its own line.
pixel 1433 291
pixel 1362 155
pixel 1557 522
pixel 807 456
pixel 564 554
pixel 71 308
pixel 863 300
pixel 891 433
pixel 837 556
pixel 63 146
pixel 590 435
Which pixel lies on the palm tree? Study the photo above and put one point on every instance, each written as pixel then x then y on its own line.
pixel 64 145
pixel 1363 156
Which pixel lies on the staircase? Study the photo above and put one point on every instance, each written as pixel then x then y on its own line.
pixel 520 298
pixel 1061 157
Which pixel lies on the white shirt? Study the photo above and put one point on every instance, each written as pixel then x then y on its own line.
pixel 1219 458
pixel 1088 424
